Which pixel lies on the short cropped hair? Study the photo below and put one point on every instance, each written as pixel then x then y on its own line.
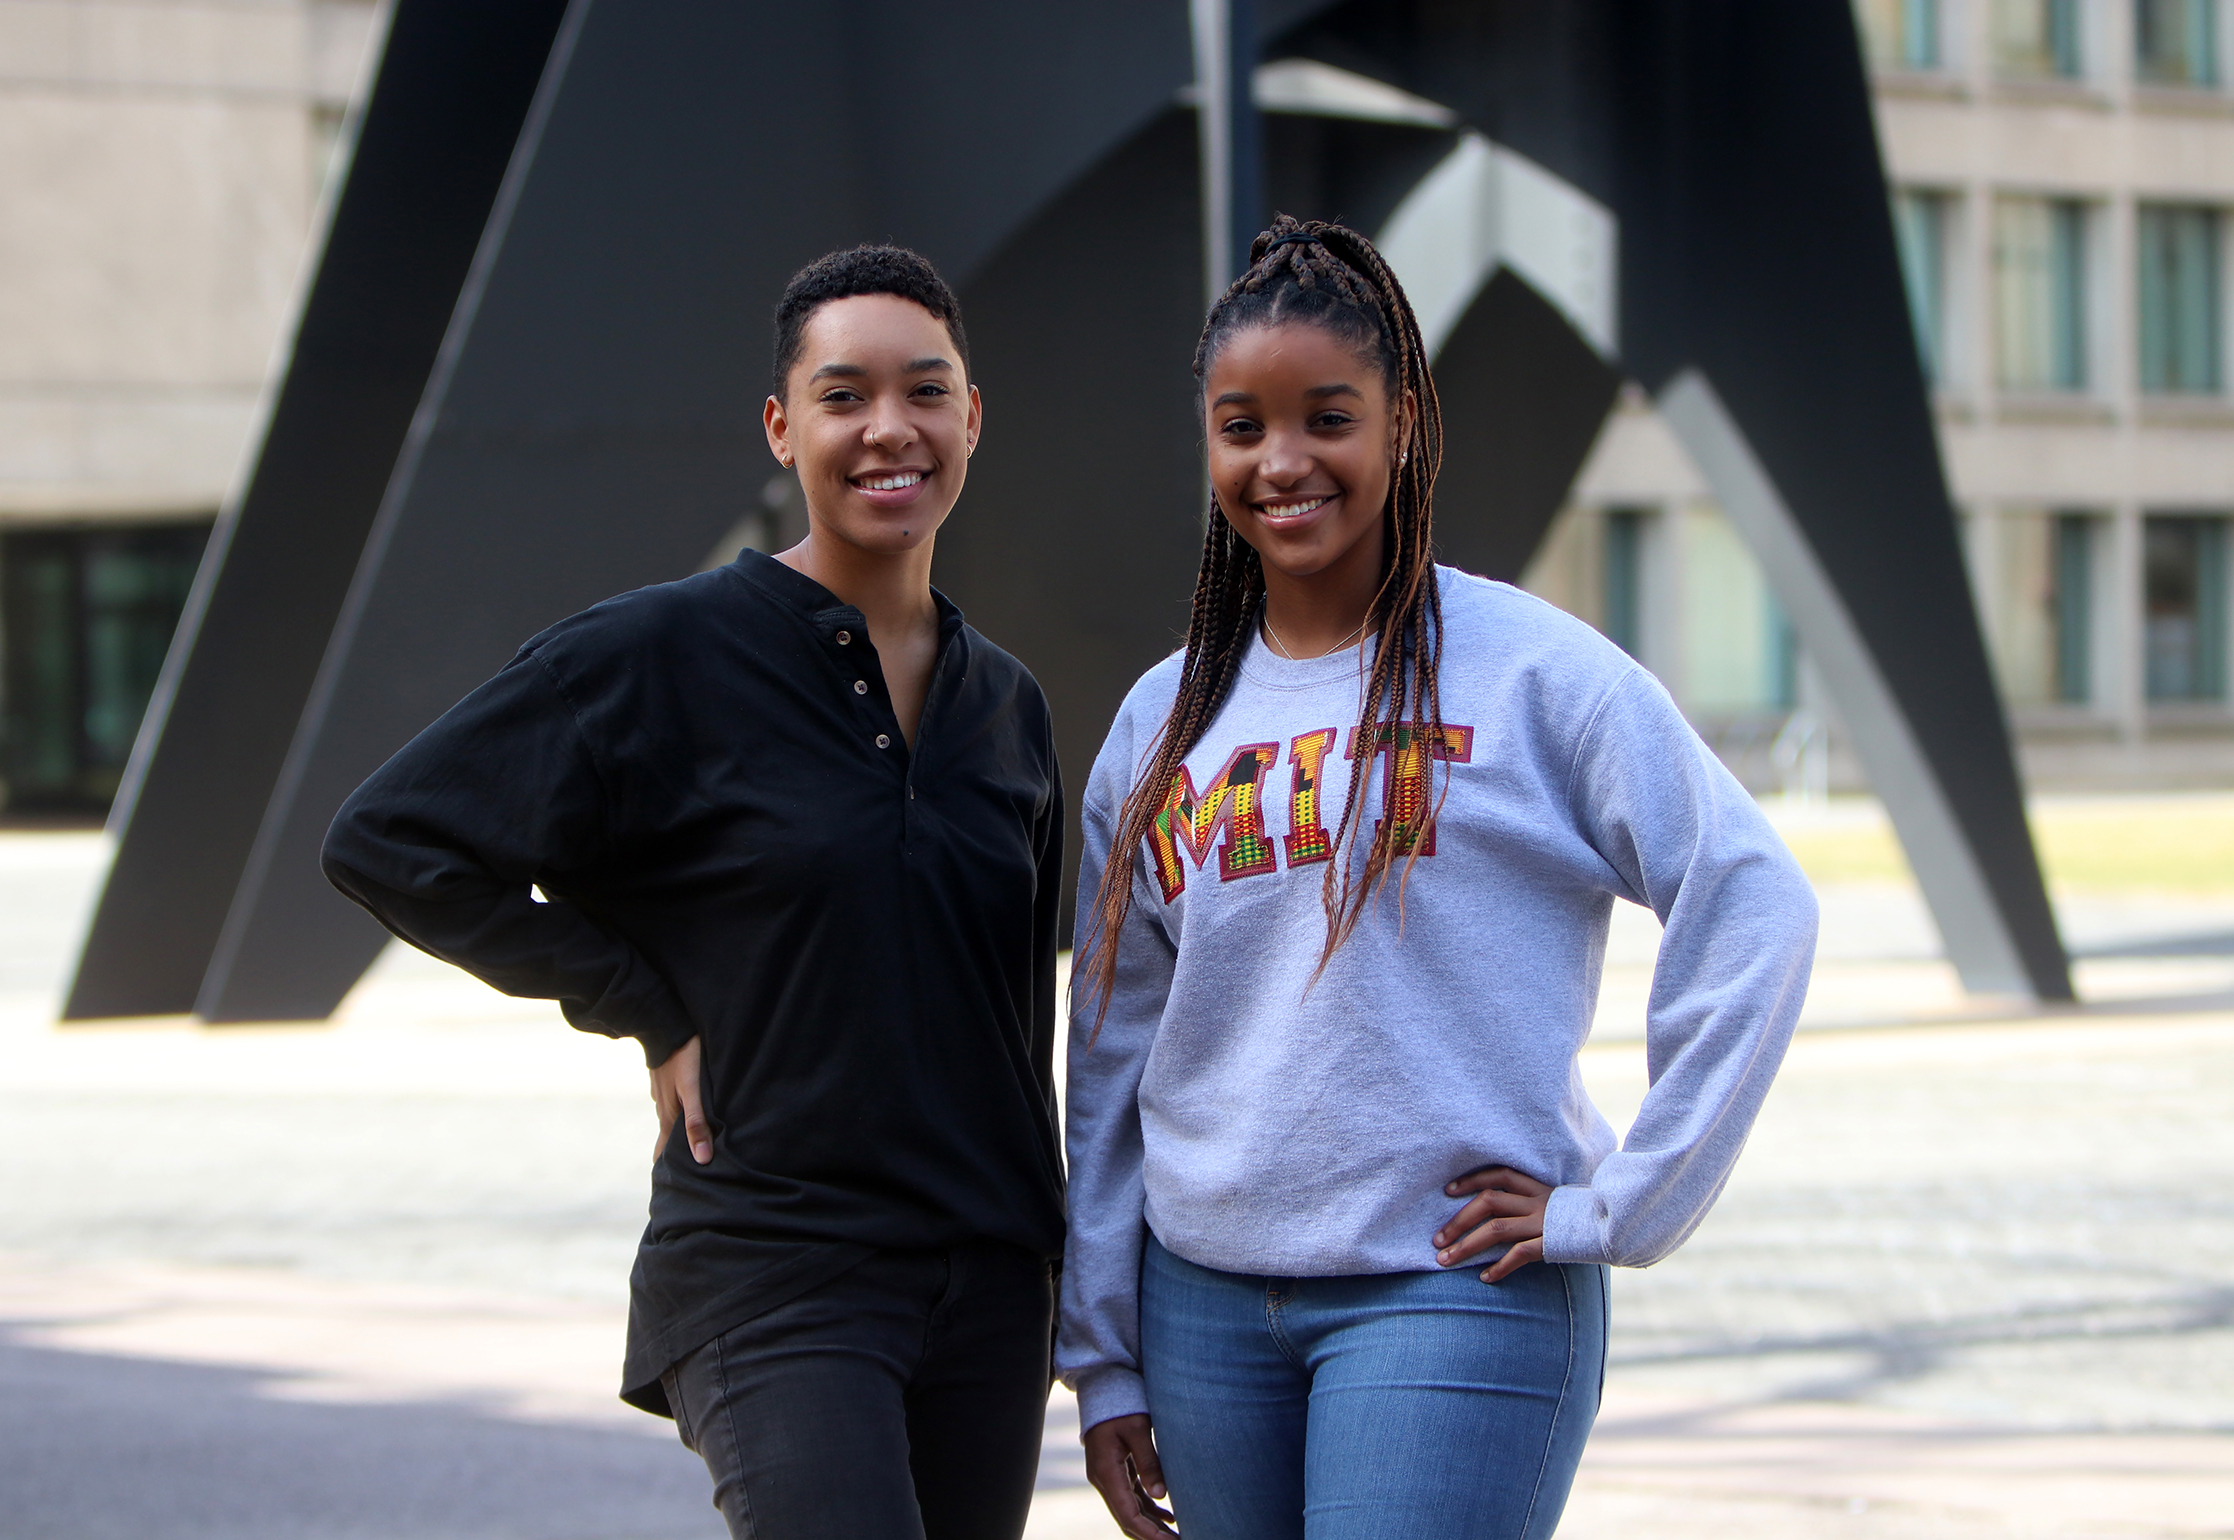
pixel 862 270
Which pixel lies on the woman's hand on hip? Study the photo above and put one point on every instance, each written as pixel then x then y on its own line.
pixel 675 1094
pixel 1121 1463
pixel 1507 1210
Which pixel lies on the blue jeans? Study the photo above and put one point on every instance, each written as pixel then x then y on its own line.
pixel 1385 1407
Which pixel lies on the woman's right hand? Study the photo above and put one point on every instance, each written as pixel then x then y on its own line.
pixel 675 1094
pixel 1121 1463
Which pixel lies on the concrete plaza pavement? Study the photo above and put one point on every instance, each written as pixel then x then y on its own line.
pixel 1974 1277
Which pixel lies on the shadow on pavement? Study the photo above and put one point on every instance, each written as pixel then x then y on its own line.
pixel 1907 1350
pixel 94 1447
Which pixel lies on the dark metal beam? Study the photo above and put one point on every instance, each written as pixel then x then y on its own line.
pixel 435 136
pixel 1230 136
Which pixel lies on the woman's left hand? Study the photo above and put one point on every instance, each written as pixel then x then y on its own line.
pixel 1507 1210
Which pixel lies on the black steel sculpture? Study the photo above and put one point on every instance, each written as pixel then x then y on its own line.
pixel 591 420
pixel 427 156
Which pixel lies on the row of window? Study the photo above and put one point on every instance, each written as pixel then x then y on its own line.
pixel 2174 42
pixel 2044 291
pixel 1678 589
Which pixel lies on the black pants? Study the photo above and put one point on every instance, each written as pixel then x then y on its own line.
pixel 902 1400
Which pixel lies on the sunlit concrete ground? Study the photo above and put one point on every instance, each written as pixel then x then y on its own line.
pixel 1974 1277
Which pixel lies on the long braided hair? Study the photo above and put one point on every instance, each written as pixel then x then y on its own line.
pixel 1324 275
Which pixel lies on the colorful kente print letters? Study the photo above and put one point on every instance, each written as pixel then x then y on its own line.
pixel 1408 778
pixel 1307 839
pixel 1232 804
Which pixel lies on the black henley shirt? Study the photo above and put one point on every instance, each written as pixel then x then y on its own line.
pixel 707 781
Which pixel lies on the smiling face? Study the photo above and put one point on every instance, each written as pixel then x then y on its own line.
pixel 1303 442
pixel 879 421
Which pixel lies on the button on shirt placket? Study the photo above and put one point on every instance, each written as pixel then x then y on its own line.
pixel 885 742
pixel 861 687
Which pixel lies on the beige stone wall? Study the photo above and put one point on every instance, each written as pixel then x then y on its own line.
pixel 160 165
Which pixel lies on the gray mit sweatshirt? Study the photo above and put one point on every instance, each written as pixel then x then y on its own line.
pixel 1260 1126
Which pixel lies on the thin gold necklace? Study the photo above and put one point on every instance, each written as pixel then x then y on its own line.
pixel 1265 618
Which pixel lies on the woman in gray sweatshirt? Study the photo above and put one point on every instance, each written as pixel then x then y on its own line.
pixel 1340 1209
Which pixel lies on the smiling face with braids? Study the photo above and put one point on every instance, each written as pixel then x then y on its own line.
pixel 1324 437
pixel 1304 434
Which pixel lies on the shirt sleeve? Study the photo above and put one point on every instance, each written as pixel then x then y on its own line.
pixel 1097 1350
pixel 444 842
pixel 1688 842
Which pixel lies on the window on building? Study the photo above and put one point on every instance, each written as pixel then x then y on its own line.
pixel 2040 258
pixel 2011 554
pixel 2178 263
pixel 2184 607
pixel 2175 42
pixel 87 617
pixel 2072 605
pixel 2037 39
pixel 1624 580
pixel 2033 571
pixel 1901 34
pixel 1920 222
pixel 1729 628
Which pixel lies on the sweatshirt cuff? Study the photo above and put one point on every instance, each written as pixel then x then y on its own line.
pixel 1110 1391
pixel 1574 1226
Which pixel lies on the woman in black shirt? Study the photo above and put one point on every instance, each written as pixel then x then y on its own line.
pixel 799 830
